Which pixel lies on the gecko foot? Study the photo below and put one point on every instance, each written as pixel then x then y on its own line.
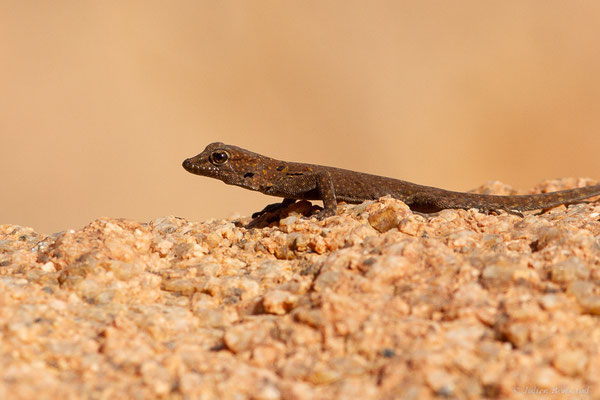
pixel 324 213
pixel 499 211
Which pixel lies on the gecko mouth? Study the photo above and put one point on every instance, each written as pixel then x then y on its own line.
pixel 189 166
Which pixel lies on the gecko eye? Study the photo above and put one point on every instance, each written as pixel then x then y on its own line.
pixel 219 157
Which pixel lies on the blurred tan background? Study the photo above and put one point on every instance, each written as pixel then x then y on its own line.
pixel 101 101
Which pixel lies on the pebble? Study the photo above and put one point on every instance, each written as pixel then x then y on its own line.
pixel 278 302
pixel 571 362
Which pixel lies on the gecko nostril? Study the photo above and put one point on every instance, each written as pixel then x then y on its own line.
pixel 248 174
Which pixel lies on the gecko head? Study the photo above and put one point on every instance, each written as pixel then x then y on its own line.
pixel 230 164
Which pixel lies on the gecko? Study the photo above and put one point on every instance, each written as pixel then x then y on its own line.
pixel 299 181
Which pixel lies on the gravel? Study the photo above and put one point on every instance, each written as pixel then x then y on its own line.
pixel 374 303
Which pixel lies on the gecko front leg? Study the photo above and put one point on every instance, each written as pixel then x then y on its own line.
pixel 326 192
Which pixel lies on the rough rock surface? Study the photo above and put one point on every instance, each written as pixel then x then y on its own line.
pixel 374 303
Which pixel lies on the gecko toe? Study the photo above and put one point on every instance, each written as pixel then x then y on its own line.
pixel 321 215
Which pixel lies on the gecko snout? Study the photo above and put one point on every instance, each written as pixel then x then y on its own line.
pixel 188 165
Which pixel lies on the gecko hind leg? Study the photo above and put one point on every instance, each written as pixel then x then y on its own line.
pixel 274 207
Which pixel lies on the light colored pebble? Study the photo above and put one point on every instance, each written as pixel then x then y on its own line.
pixel 278 302
pixel 48 267
pixel 571 362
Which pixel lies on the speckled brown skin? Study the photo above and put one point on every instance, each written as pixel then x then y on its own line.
pixel 294 181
